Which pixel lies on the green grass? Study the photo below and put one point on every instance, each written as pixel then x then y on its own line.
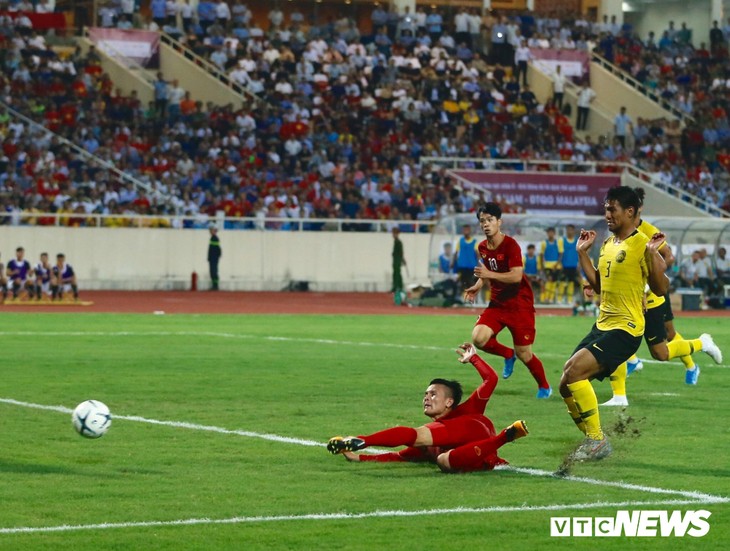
pixel 318 380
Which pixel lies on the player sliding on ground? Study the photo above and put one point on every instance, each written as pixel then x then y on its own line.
pixel 628 260
pixel 459 438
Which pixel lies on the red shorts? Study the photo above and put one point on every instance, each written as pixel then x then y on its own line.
pixel 521 323
pixel 466 459
pixel 451 433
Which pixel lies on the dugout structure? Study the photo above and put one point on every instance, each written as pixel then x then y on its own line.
pixel 684 235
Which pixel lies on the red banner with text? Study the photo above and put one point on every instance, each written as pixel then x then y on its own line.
pixel 544 192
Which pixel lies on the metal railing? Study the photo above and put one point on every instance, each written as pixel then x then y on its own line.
pixel 590 167
pixel 644 90
pixel 93 159
pixel 177 222
pixel 245 94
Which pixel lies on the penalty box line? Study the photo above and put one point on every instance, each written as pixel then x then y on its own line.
pixel 348 516
pixel 273 338
pixel 698 497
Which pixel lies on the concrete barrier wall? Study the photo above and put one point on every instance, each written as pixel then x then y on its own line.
pixel 196 80
pixel 614 93
pixel 123 78
pixel 660 203
pixel 600 122
pixel 144 259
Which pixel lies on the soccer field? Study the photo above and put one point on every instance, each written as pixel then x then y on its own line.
pixel 220 421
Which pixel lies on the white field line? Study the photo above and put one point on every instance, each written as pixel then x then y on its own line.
pixel 273 338
pixel 696 496
pixel 350 516
pixel 176 424
pixel 699 496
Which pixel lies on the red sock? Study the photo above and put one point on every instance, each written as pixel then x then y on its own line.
pixel 391 438
pixel 478 455
pixel 498 349
pixel 538 372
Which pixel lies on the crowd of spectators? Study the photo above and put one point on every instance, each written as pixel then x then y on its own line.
pixel 344 117
pixel 684 72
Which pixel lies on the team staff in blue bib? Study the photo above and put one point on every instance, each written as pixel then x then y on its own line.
pixel 551 254
pixel 570 277
pixel 466 257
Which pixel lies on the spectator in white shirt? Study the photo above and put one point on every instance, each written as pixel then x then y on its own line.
pixel 722 267
pixel 586 96
pixel 522 58
pixel 276 18
pixel 186 14
pixel 223 14
pixel 175 94
pixel 558 86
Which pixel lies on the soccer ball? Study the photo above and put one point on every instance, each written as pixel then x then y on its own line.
pixel 91 419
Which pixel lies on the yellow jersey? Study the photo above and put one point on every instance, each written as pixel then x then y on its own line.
pixel 652 300
pixel 624 271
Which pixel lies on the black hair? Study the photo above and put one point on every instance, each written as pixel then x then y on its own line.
pixel 570 226
pixel 641 194
pixel 453 386
pixel 624 196
pixel 491 209
pixel 60 255
pixel 19 249
pixel 550 229
pixel 531 246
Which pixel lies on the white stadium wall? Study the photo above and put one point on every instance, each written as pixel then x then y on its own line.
pixel 164 259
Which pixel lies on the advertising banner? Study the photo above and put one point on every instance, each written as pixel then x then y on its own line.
pixel 573 63
pixel 140 46
pixel 543 192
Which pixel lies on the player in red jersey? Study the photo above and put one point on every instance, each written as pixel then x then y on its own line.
pixel 459 438
pixel 512 303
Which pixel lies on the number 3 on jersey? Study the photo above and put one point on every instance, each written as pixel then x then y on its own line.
pixel 608 267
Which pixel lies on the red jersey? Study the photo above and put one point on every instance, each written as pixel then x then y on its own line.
pixel 508 255
pixel 466 423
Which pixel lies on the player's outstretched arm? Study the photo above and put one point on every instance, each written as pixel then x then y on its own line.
pixel 471 293
pixel 658 281
pixel 585 241
pixel 467 354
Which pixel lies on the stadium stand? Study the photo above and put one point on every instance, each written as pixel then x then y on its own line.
pixel 346 118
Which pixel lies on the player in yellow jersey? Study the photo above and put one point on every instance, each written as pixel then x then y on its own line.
pixel 664 342
pixel 549 260
pixel 628 260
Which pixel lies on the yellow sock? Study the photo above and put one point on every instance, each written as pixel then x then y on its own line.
pixel 574 413
pixel 550 291
pixel 587 404
pixel 678 348
pixel 571 291
pixel 688 362
pixel 561 289
pixel 634 358
pixel 618 380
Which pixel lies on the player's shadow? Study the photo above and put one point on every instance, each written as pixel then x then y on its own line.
pixel 41 469
pixel 38 468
